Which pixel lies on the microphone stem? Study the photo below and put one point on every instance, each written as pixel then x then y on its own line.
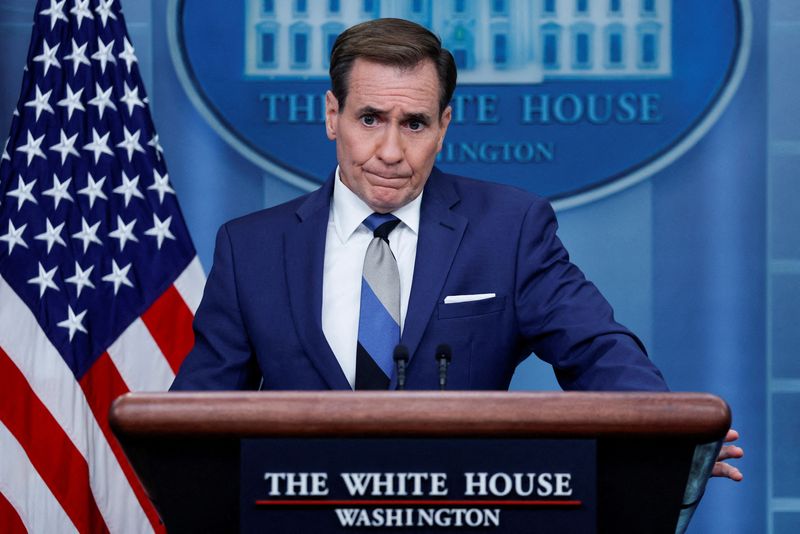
pixel 401 375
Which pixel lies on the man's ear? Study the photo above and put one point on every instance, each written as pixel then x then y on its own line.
pixel 331 115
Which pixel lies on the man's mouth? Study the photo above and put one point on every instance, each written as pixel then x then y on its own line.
pixel 387 176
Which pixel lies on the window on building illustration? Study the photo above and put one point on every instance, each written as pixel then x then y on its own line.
pixel 459 6
pixel 649 47
pixel 330 41
pixel 267 45
pixel 550 50
pixel 648 7
pixel 300 49
pixel 549 7
pixel 649 54
pixel 334 6
pixel 499 7
pixel 300 7
pixel 615 55
pixel 370 8
pixel 460 56
pixel 268 49
pixel 500 49
pixel 582 6
pixel 299 45
pixel 582 58
pixel 615 6
pixel 330 31
pixel 268 7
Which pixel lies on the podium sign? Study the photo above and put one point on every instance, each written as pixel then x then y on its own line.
pixel 646 455
pixel 418 485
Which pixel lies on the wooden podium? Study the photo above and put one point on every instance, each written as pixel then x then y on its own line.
pixel 654 451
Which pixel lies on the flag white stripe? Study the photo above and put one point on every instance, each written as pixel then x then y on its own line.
pixel 53 382
pixel 190 284
pixel 24 488
pixel 139 361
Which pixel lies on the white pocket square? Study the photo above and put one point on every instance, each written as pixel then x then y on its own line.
pixel 453 299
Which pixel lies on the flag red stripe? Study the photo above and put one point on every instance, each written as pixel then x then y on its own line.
pixel 101 385
pixel 9 518
pixel 49 449
pixel 169 321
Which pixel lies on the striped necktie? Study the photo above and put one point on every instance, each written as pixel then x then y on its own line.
pixel 379 318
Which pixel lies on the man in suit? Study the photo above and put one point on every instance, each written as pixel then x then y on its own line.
pixel 474 265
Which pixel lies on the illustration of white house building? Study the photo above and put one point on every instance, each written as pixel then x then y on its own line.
pixel 492 41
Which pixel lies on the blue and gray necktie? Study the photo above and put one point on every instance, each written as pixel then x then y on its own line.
pixel 379 318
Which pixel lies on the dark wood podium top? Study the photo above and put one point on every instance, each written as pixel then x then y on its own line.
pixel 696 416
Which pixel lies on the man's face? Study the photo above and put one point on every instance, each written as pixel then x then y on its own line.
pixel 389 132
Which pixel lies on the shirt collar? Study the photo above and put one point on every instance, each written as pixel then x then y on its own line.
pixel 349 211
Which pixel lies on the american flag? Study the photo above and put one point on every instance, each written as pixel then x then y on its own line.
pixel 99 279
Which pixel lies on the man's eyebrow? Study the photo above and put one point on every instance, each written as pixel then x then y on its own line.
pixel 424 118
pixel 369 110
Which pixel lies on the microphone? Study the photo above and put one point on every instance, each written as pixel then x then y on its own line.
pixel 400 361
pixel 443 355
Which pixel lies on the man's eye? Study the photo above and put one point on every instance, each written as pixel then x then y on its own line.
pixel 415 125
pixel 368 120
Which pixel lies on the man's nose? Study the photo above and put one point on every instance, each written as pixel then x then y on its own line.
pixel 390 148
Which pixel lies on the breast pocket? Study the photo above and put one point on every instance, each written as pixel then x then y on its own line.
pixel 471 309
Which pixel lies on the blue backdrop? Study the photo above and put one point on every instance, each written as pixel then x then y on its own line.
pixel 702 259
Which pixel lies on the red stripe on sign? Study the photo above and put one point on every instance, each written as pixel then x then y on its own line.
pixel 9 518
pixel 49 449
pixel 101 385
pixel 169 321
pixel 416 502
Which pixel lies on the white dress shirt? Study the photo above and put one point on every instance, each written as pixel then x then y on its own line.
pixel 346 245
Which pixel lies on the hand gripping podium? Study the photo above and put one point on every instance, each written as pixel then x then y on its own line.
pixel 422 461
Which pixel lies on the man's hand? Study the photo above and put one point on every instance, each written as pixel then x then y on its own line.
pixel 722 469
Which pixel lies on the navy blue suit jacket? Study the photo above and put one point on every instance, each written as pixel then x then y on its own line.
pixel 261 310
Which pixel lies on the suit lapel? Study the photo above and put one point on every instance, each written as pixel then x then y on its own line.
pixel 304 257
pixel 440 234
